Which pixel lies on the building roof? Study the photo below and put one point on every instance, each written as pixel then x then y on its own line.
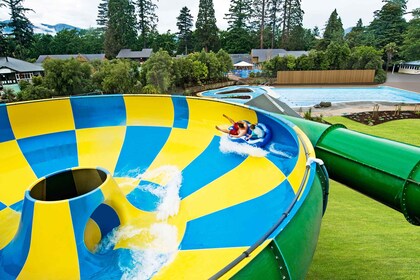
pixel 243 64
pixel 128 53
pixel 17 65
pixel 88 57
pixel 414 63
pixel 266 54
pixel 294 53
pixel 240 57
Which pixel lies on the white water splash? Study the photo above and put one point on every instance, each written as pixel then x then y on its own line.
pixel 162 251
pixel 170 179
pixel 272 148
pixel 243 149
pixel 162 248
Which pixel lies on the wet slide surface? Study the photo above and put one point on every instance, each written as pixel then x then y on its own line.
pixel 186 200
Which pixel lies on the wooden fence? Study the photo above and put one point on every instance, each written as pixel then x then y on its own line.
pixel 326 77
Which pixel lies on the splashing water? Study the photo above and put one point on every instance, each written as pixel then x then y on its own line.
pixel 170 179
pixel 162 246
pixel 242 149
pixel 274 150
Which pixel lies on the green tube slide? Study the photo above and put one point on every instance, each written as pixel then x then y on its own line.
pixel 382 169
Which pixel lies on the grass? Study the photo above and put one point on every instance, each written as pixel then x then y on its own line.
pixel 361 238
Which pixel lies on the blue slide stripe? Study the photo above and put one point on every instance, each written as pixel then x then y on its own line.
pixel 226 228
pixel 17 206
pixel 81 210
pixel 2 206
pixel 284 140
pixel 181 112
pixel 141 145
pixel 6 132
pixel 106 218
pixel 14 255
pixel 208 166
pixel 143 199
pixel 94 111
pixel 51 152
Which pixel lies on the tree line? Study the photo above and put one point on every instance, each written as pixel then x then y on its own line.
pixel 251 24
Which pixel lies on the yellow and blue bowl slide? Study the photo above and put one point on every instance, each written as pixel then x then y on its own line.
pixel 74 172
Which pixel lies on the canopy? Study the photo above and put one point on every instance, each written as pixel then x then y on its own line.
pixel 243 64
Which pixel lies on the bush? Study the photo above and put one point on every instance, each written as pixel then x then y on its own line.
pixel 150 89
pixel 380 76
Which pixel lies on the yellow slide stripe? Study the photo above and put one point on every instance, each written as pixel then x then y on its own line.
pixel 17 175
pixel 149 111
pixel 202 264
pixel 53 249
pixel 44 115
pixel 100 145
pixel 231 189
pixel 9 223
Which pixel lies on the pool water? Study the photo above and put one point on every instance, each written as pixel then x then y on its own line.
pixel 306 97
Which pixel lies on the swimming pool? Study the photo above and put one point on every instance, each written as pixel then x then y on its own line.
pixel 307 97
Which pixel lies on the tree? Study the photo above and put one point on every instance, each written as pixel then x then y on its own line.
pixel 365 57
pixel 292 15
pixel 147 19
pixel 338 55
pixel 389 24
pixel 66 77
pixel 67 41
pixel 41 44
pixel 117 76
pixel 260 8
pixel 157 71
pixel 411 45
pixel 120 32
pixel 356 36
pixel 239 15
pixel 22 31
pixel 237 40
pixel 206 29
pixel 102 19
pixel 391 50
pixel 184 24
pixel 165 41
pixel 334 31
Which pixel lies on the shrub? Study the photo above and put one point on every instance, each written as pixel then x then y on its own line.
pixel 380 76
pixel 150 89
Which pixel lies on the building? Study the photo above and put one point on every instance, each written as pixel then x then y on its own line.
pixel 240 57
pixel 262 55
pixel 13 70
pixel 79 57
pixel 411 67
pixel 140 56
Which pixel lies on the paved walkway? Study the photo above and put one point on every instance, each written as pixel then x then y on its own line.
pixel 404 81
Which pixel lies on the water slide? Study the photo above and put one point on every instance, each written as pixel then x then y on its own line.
pixel 140 187
pixel 145 187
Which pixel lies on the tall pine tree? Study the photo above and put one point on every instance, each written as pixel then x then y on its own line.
pixel 389 24
pixel 121 29
pixel 239 15
pixel 206 30
pixel 185 24
pixel 22 32
pixel 102 19
pixel 411 46
pixel 334 31
pixel 147 19
pixel 292 18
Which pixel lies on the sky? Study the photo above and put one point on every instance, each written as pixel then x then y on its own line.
pixel 83 13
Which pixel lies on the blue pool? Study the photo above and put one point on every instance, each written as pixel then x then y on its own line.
pixel 307 97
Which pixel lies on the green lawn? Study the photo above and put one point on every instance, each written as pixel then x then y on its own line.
pixel 361 238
